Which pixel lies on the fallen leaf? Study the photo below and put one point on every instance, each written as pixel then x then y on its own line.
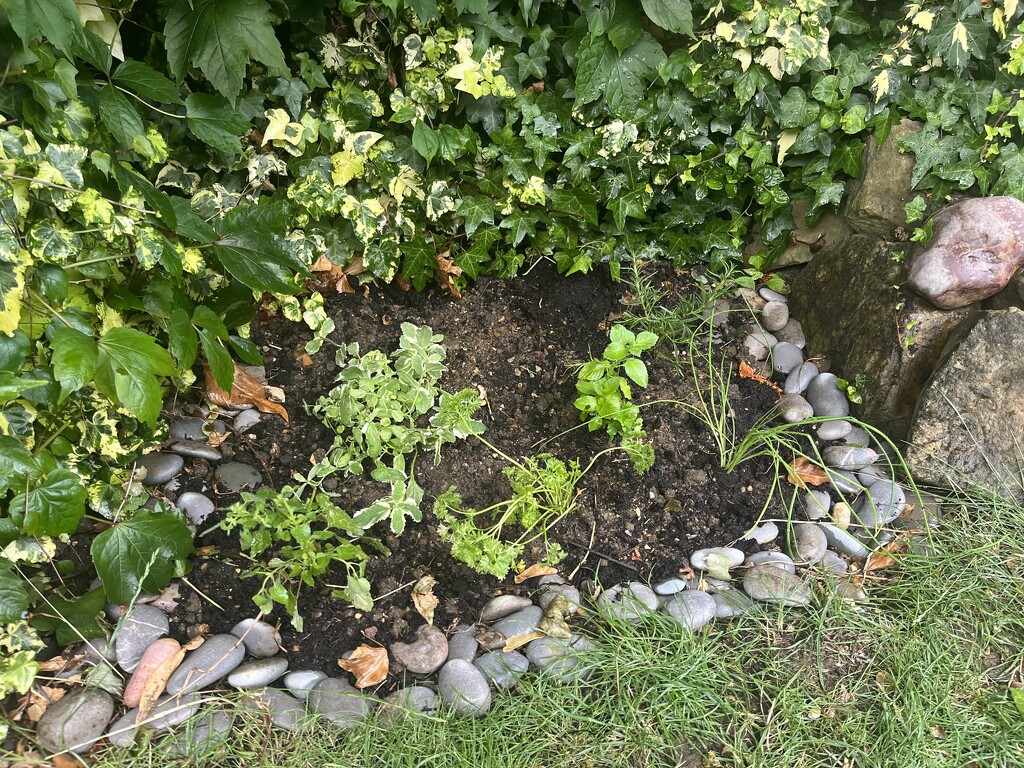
pixel 534 570
pixel 447 272
pixel 802 472
pixel 158 680
pixel 553 623
pixel 332 277
pixel 59 664
pixel 746 372
pixel 489 639
pixel 886 556
pixel 245 390
pixel 305 359
pixel 66 760
pixel 423 598
pixel 518 641
pixel 368 663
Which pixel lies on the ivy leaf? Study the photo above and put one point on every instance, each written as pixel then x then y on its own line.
pixel 215 122
pixel 56 20
pixel 475 210
pixel 53 507
pixel 220 37
pixel 147 82
pixel 13 598
pixel 930 150
pixel 576 202
pixel 120 115
pixel 673 15
pixel 425 141
pixel 602 72
pixel 143 553
pixel 74 359
pixel 958 40
pixel 419 262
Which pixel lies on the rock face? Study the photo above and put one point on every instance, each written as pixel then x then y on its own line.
pixel 875 205
pixel 977 245
pixel 852 313
pixel 969 420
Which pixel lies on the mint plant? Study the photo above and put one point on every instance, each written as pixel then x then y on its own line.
pixel 606 397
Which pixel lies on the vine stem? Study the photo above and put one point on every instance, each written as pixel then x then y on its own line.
pixel 150 106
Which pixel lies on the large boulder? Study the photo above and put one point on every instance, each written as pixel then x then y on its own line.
pixel 977 245
pixel 855 312
pixel 969 424
pixel 875 204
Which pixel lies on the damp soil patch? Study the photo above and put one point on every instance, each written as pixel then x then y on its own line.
pixel 514 341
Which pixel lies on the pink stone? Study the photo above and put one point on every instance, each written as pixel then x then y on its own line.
pixel 977 245
pixel 154 656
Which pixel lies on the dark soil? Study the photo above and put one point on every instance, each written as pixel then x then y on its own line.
pixel 514 340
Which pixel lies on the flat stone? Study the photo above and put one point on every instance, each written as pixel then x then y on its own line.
pixel 786 357
pixel 209 731
pixel 793 333
pixel 809 543
pixel 768 294
pixel 196 506
pixel 670 586
pixel 551 578
pixel 849 456
pixel 833 563
pixel 155 655
pixel 868 476
pixel 844 480
pixel 553 657
pixel 773 559
pixel 628 601
pixel 826 398
pixel 168 712
pixel 880 505
pixel 732 602
pixel 775 585
pixel 414 700
pixel 758 344
pixel 522 622
pixel 76 721
pixel 503 605
pixel 260 639
pixel 286 712
pixel 343 705
pixel 234 477
pixel 834 429
pixel 246 420
pixel 503 669
pixel 464 688
pixel 212 661
pixel 844 542
pixel 550 591
pixel 691 608
pixel 462 644
pixel 426 654
pixel 187 428
pixel 774 315
pixel 799 378
pixel 300 682
pixel 194 449
pixel 258 672
pixel 763 534
pixel 816 504
pixel 794 408
pixel 142 627
pixel 858 437
pixel 160 467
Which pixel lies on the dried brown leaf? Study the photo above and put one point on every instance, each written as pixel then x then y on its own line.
pixel 423 598
pixel 59 664
pixel 518 641
pixel 746 372
pixel 245 390
pixel 67 760
pixel 368 663
pixel 534 570
pixel 887 555
pixel 332 277
pixel 447 273
pixel 158 680
pixel 803 472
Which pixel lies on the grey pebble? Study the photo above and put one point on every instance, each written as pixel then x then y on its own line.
pixel 628 602
pixel 786 357
pixel 464 688
pixel 246 420
pixel 196 450
pixel 233 476
pixel 550 591
pixel 833 563
pixel 699 559
pixel 844 542
pixel 300 682
pixel 871 475
pixel 212 661
pixel 75 722
pixel 258 672
pixel 732 602
pixel 847 591
pixel 777 586
pixel 825 397
pixel 414 700
pixel 763 534
pixel 670 586
pixel 768 294
pixel 187 428
pixel 692 609
pixel 97 648
pixel 809 543
pixel 793 333
pixel 196 506
pixel 260 639
pixel 551 578
pixel 160 467
pixel 553 656
pixel 503 605
pixel 848 456
pixel 522 622
pixel 774 559
pixel 794 408
pixel 857 436
pixel 209 731
pixel 844 481
pixel 142 627
pixel 774 315
pixel 343 705
pixel 798 379
pixel 168 712
pixel 425 654
pixel 462 644
pixel 816 504
pixel 758 343
pixel 286 712
pixel 834 429
pixel 503 669
pixel 880 505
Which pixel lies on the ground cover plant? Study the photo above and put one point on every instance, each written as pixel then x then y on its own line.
pixel 167 170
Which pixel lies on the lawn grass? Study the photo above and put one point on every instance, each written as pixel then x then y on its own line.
pixel 917 676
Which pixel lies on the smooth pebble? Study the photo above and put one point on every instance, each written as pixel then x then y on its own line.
pixel 300 682
pixel 798 379
pixel 774 559
pixel 464 688
pixel 196 506
pixel 775 585
pixel 691 608
pixel 258 672
pixel 260 638
pixel 233 477
pixel 76 721
pixel 212 661
pixel 503 605
pixel 774 315
pixel 794 408
pixel 786 357
pixel 340 703
pixel 142 627
pixel 160 467
pixel 501 668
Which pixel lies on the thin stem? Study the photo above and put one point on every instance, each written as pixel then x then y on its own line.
pixel 146 103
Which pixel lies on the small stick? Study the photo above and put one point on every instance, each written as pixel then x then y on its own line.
pixel 609 558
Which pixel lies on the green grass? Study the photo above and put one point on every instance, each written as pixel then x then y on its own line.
pixel 917 676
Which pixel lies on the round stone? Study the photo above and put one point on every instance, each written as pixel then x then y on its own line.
pixel 188 428
pixel 426 654
pixel 76 721
pixel 462 644
pixel 871 475
pixel 503 669
pixel 799 378
pixel 212 661
pixel 209 731
pixel 550 591
pixel 833 563
pixel 414 700
pixel 825 397
pixel 792 332
pixel 258 672
pixel 768 294
pixel 849 456
pixel 300 682
pixel 762 534
pixel 816 504
pixel 809 543
pixel 344 706
pixel 503 605
pixel 521 622
pixel 196 506
pixel 233 477
pixel 670 586
pixel 628 602
pixel 844 480
pixel 286 712
pixel 142 627
pixel 758 343
pixel 834 429
pixel 691 608
pixel 774 315
pixel 843 542
pixel 551 655
pixel 699 559
pixel 732 602
pixel 260 639
pixel 777 586
pixel 858 437
pixel 786 357
pixel 774 559
pixel 794 408
pixel 196 450
pixel 155 655
pixel 464 688
pixel 880 505
pixel 160 467
pixel 246 420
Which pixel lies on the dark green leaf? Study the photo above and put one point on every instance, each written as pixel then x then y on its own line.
pixel 120 116
pixel 620 79
pixel 56 20
pixel 673 15
pixel 246 350
pixel 160 201
pixel 221 365
pixel 182 339
pixel 73 619
pixel 625 26
pixel 143 553
pixel 577 202
pixel 205 317
pixel 13 351
pixel 147 82
pixel 13 598
pixel 52 282
pixel 425 9
pixel 425 141
pixel 133 350
pixel 74 359
pixel 475 210
pixel 140 394
pixel 214 121
pixel 256 259
pixel 419 262
pixel 53 507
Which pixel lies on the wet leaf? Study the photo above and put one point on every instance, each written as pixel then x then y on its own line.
pixel 518 641
pixel 553 623
pixel 746 372
pixel 245 390
pixel 423 598
pixel 803 472
pixel 534 570
pixel 369 664
pixel 158 680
